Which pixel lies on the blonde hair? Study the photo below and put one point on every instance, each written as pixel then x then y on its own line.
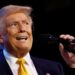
pixel 10 9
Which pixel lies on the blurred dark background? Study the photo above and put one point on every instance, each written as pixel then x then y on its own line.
pixel 50 17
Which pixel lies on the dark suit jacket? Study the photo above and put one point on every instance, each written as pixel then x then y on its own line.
pixel 44 67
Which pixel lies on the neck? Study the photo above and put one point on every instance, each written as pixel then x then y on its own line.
pixel 17 53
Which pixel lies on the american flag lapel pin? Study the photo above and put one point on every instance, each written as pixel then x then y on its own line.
pixel 48 74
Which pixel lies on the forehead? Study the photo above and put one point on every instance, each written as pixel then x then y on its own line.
pixel 16 16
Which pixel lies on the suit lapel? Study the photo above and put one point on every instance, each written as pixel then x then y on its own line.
pixel 4 67
pixel 38 68
pixel 41 70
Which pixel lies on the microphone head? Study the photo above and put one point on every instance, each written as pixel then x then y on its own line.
pixel 69 45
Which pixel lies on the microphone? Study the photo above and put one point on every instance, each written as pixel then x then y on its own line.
pixel 69 45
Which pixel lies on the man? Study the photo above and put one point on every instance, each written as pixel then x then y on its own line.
pixel 16 31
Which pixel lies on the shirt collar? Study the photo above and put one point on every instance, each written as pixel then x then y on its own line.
pixel 11 59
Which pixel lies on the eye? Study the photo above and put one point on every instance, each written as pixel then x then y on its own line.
pixel 25 22
pixel 13 24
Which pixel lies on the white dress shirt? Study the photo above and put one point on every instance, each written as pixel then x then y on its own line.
pixel 11 60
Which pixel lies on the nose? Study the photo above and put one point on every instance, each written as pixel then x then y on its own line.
pixel 22 27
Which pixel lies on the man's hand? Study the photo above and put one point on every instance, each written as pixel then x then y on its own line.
pixel 69 57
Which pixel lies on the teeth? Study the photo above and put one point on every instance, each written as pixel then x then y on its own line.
pixel 21 38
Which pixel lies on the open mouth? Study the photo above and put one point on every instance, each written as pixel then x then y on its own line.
pixel 21 37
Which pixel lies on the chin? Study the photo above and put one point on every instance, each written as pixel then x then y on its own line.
pixel 24 48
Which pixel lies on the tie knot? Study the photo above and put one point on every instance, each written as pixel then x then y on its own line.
pixel 20 61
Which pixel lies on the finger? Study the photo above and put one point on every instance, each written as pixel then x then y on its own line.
pixel 67 36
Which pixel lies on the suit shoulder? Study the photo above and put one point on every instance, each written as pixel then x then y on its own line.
pixel 49 65
pixel 46 62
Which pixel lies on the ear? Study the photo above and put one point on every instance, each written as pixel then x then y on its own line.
pixel 1 39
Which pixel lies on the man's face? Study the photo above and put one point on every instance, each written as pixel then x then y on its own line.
pixel 18 35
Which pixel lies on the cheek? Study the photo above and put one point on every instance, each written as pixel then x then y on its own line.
pixel 10 35
pixel 29 30
pixel 11 32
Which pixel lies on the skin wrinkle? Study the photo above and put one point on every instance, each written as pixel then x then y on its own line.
pixel 27 30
